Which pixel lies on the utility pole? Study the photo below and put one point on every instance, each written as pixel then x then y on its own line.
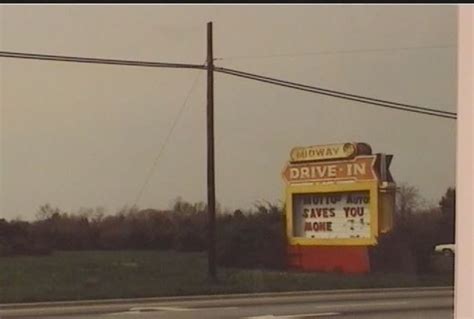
pixel 211 191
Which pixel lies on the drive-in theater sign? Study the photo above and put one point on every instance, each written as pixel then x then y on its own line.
pixel 339 198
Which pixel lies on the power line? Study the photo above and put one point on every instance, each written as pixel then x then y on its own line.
pixel 165 143
pixel 290 55
pixel 49 57
pixel 294 85
pixel 341 95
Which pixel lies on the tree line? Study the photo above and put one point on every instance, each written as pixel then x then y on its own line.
pixel 245 238
pixel 181 228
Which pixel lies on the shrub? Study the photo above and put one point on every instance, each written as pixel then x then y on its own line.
pixel 255 239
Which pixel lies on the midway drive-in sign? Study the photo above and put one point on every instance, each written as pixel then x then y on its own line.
pixel 358 169
pixel 337 195
pixel 338 199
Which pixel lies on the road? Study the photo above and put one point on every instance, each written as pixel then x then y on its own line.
pixel 419 303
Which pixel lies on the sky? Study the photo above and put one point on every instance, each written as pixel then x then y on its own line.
pixel 82 135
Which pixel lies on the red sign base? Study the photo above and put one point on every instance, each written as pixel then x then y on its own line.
pixel 345 259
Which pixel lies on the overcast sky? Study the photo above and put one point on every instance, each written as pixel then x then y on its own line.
pixel 78 135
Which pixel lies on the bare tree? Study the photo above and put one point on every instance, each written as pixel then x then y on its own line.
pixel 408 200
pixel 47 211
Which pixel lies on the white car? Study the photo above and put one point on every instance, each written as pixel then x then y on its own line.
pixel 445 249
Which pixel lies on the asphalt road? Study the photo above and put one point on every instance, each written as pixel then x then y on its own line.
pixel 390 303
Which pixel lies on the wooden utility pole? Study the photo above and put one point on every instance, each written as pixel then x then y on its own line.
pixel 211 191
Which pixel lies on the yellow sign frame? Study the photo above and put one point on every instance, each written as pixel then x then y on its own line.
pixel 371 186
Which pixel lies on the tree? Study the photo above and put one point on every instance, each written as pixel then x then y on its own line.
pixel 92 214
pixel 408 201
pixel 448 202
pixel 448 216
pixel 46 211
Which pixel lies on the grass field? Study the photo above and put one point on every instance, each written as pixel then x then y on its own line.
pixel 127 274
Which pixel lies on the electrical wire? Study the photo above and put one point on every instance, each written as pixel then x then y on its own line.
pixel 261 78
pixel 165 142
pixel 337 92
pixel 341 95
pixel 49 57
